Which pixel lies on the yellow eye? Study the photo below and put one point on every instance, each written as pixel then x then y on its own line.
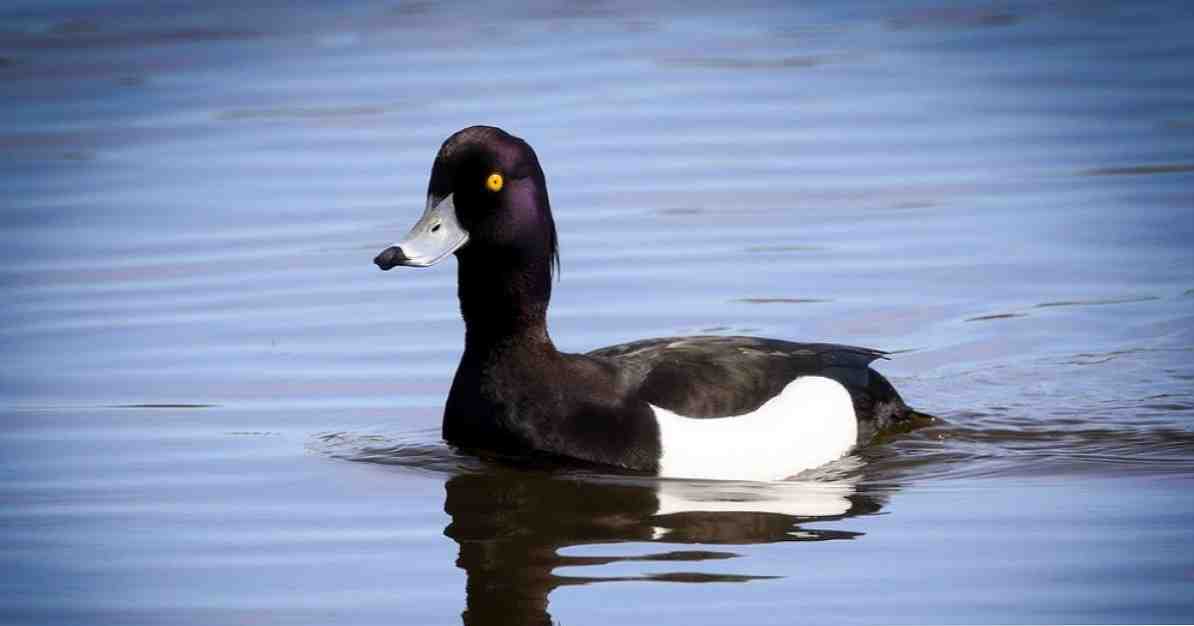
pixel 494 182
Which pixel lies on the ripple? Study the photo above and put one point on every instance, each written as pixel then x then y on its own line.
pixel 162 406
pixel 301 112
pixel 990 447
pixel 781 300
pixel 420 450
pixel 732 63
pixel 959 17
pixel 788 248
pixel 996 316
pixel 1096 301
pixel 827 491
pixel 1136 170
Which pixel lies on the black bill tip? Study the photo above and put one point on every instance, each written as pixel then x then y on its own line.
pixel 390 257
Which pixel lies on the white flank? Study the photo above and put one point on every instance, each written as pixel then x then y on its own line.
pixel 810 423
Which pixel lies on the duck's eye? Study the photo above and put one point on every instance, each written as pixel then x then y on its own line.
pixel 494 182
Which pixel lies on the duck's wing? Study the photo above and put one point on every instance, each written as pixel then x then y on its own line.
pixel 722 376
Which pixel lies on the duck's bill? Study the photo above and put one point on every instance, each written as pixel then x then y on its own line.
pixel 436 235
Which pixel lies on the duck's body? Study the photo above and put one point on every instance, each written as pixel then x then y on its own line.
pixel 694 407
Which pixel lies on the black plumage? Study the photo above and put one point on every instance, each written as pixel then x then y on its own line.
pixel 718 376
pixel 514 392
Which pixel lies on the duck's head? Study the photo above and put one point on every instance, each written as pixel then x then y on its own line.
pixel 487 197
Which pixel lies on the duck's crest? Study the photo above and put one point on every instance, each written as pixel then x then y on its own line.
pixel 519 161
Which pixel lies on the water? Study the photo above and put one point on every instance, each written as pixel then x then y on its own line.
pixel 216 410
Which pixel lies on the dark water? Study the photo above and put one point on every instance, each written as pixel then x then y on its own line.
pixel 215 410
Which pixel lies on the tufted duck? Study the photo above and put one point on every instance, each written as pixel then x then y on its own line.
pixel 738 408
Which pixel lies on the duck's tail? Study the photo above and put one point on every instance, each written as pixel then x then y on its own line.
pixel 918 418
pixel 886 411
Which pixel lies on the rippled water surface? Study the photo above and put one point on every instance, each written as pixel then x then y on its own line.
pixel 215 409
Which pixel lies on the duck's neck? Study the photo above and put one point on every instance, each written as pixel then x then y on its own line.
pixel 503 299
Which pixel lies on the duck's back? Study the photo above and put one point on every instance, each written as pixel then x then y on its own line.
pixel 718 376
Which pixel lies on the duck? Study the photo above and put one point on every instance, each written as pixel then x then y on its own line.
pixel 695 407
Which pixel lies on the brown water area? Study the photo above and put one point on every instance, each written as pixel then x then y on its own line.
pixel 216 410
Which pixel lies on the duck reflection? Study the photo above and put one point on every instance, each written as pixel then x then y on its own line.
pixel 512 525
